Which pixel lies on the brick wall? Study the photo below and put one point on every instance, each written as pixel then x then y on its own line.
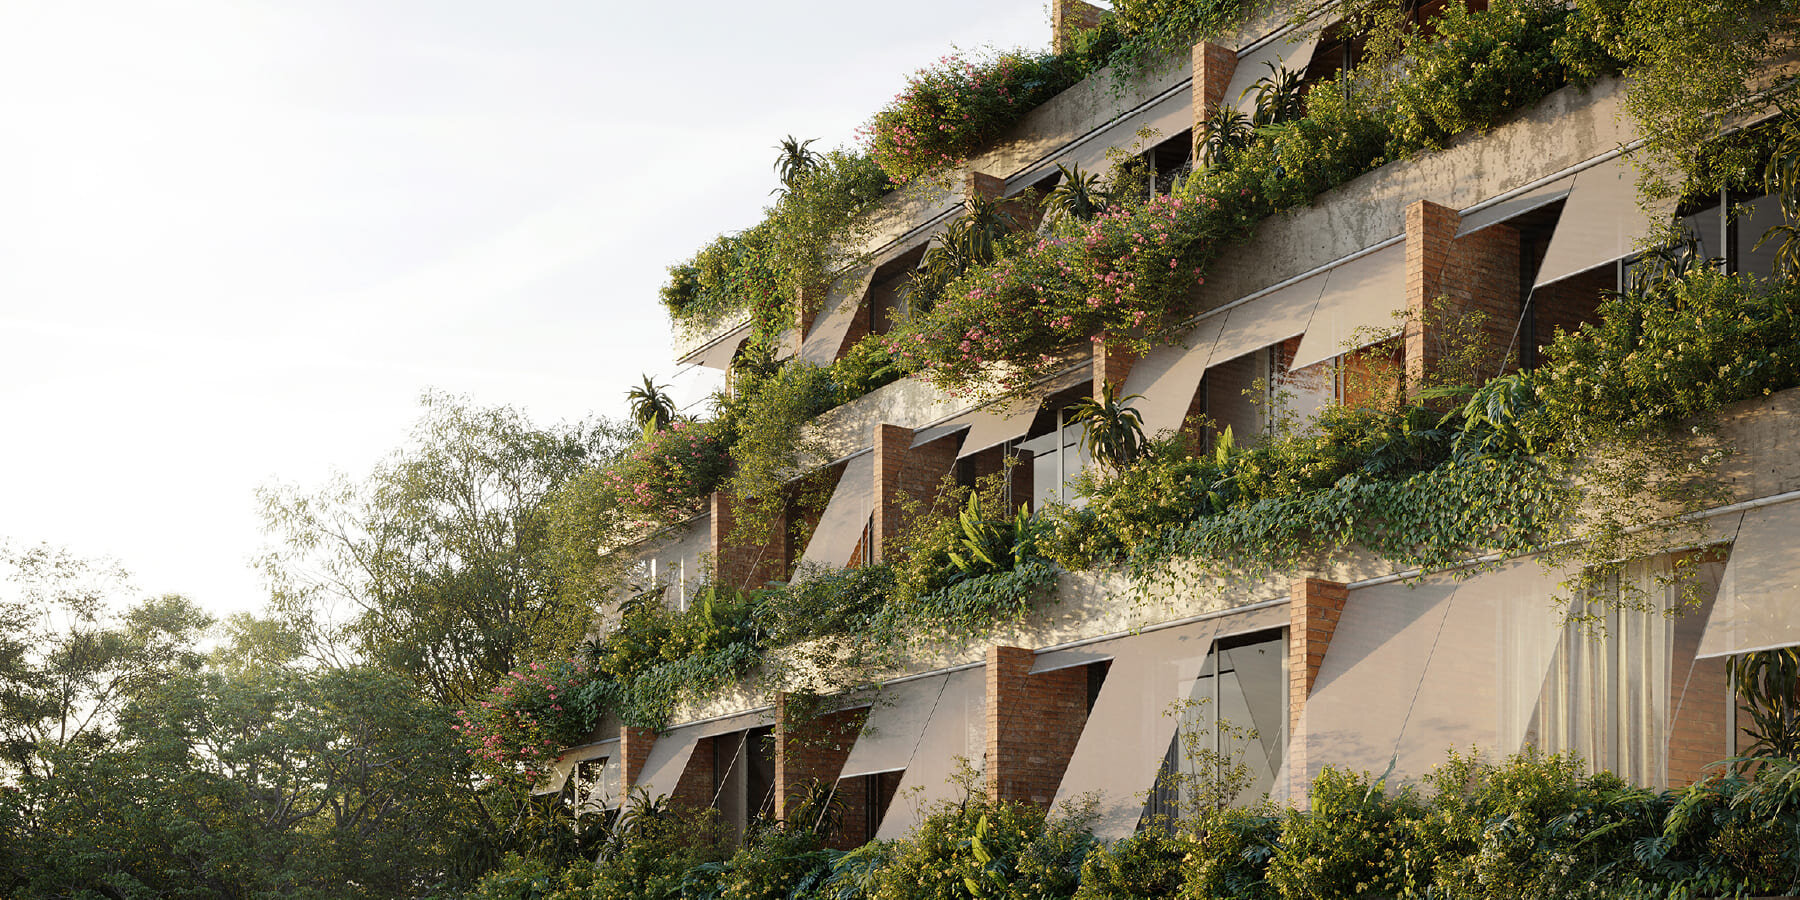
pixel 1068 17
pixel 1699 696
pixel 694 790
pixel 1033 722
pixel 634 749
pixel 1448 277
pixel 810 751
pixel 1112 364
pixel 902 473
pixel 741 565
pixel 1213 68
pixel 1569 302
pixel 1314 606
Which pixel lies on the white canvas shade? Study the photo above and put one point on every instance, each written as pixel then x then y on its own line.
pixel 1600 223
pixel 1362 294
pixel 841 524
pixel 891 731
pixel 1251 66
pixel 1167 377
pixel 1541 196
pixel 1169 116
pixel 720 353
pixel 844 300
pixel 1758 603
pixel 669 755
pixel 565 764
pixel 956 728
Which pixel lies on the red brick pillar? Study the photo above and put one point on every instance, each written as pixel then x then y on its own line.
pixel 738 564
pixel 1067 17
pixel 982 186
pixel 1112 363
pixel 901 474
pixel 810 751
pixel 1033 722
pixel 634 749
pixel 1213 68
pixel 806 308
pixel 1450 278
pixel 1314 606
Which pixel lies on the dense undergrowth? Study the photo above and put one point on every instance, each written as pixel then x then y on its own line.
pixel 1525 827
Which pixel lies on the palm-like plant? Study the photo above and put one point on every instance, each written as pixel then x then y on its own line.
pixel 651 407
pixel 1077 195
pixel 1280 96
pixel 1768 690
pixel 793 159
pixel 1112 431
pixel 1224 132
pixel 987 546
pixel 968 242
pixel 1782 180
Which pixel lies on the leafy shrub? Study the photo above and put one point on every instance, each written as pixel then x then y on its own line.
pixel 1145 866
pixel 1349 845
pixel 1670 351
pixel 984 849
pixel 517 731
pixel 950 110
pixel 1475 69
pixel 664 478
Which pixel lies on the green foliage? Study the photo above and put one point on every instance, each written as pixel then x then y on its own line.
pixel 651 407
pixel 1148 27
pixel 1078 195
pixel 1768 692
pixel 1112 431
pixel 767 416
pixel 1347 847
pixel 805 240
pixel 443 555
pixel 667 477
pixel 973 239
pixel 1669 352
pixel 952 109
pixel 1475 68
pixel 981 849
pixel 1145 866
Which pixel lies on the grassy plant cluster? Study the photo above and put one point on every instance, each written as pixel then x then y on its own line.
pixel 1526 826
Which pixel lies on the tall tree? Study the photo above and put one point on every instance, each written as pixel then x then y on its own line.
pixel 439 566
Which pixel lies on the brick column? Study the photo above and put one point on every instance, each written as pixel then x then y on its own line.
pixel 806 308
pixel 1033 722
pixel 902 473
pixel 742 566
pixel 1213 68
pixel 634 750
pixel 982 186
pixel 1314 606
pixel 1067 17
pixel 1450 278
pixel 810 751
pixel 1112 364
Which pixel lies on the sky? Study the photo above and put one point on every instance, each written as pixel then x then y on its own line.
pixel 239 238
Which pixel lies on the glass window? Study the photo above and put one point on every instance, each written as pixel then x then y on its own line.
pixel 1232 734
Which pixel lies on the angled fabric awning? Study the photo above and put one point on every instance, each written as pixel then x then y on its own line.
pixel 1168 117
pixel 944 429
pixel 720 353
pixel 1601 222
pixel 1270 319
pixel 1536 198
pixel 1127 733
pixel 896 720
pixel 1758 604
pixel 1005 421
pixel 957 728
pixel 1415 668
pixel 1362 294
pixel 844 300
pixel 841 524
pixel 669 754
pixel 1255 64
pixel 1168 376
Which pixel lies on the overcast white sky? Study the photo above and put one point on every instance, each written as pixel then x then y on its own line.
pixel 238 238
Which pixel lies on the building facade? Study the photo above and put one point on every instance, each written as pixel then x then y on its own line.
pixel 1357 665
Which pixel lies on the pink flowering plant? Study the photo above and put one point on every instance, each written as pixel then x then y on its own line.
pixel 950 110
pixel 516 732
pixel 667 476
